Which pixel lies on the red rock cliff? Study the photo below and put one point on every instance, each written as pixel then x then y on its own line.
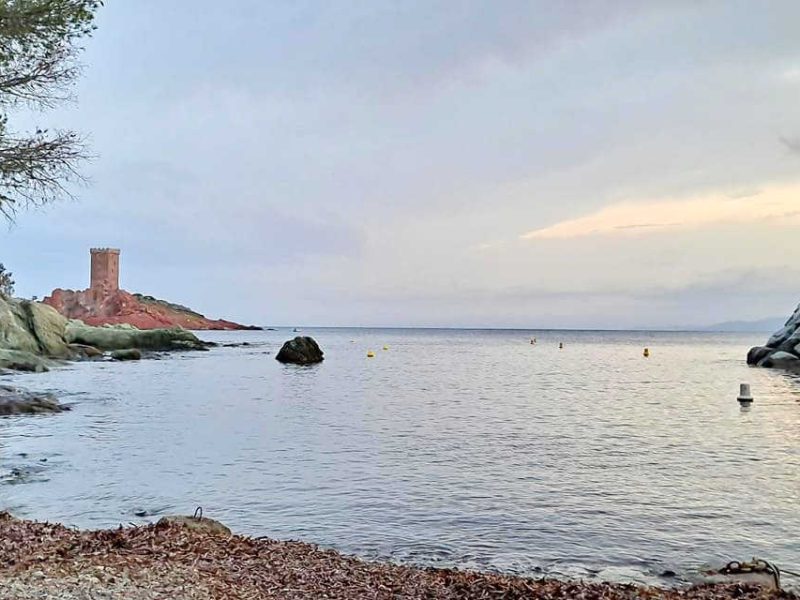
pixel 104 302
pixel 119 306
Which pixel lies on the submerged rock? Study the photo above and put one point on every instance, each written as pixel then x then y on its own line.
pixel 782 350
pixel 17 360
pixel 127 354
pixel 302 350
pixel 14 401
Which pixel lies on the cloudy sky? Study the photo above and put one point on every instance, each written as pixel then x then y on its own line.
pixel 453 163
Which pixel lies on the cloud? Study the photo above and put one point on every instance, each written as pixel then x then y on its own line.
pixel 778 202
pixel 793 144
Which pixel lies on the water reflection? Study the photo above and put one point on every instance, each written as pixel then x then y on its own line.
pixel 475 449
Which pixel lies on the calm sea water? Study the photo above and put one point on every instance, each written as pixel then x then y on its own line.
pixel 466 448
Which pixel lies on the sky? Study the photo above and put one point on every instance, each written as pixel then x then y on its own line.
pixel 582 164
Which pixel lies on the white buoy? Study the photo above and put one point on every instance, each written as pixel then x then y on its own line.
pixel 745 397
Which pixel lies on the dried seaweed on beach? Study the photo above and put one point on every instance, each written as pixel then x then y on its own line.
pixel 41 560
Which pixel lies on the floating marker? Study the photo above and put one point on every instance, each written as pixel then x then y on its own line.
pixel 370 354
pixel 386 347
pixel 646 352
pixel 745 397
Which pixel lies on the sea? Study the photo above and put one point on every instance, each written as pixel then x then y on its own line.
pixel 473 449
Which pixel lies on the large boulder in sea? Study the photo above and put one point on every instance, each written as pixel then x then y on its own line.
pixel 123 337
pixel 302 350
pixel 782 350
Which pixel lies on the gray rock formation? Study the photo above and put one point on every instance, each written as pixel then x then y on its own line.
pixel 197 523
pixel 300 351
pixel 123 337
pixel 33 334
pixel 14 401
pixel 782 350
pixel 32 327
pixel 17 360
pixel 127 354
pixel 87 352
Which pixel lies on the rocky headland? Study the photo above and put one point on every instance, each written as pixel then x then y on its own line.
pixel 782 350
pixel 34 337
pixel 122 307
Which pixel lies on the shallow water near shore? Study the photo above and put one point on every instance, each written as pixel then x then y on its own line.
pixel 459 448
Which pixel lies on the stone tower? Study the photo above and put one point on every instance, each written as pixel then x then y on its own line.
pixel 105 272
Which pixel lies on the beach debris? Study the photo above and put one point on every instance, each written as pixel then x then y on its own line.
pixel 169 560
pixel 755 572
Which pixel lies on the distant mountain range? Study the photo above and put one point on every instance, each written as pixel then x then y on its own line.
pixel 762 325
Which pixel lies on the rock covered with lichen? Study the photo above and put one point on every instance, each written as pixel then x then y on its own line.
pixel 34 336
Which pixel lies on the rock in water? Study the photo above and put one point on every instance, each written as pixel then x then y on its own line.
pixel 14 401
pixel 123 337
pixel 127 354
pixel 782 350
pixel 85 351
pixel 300 351
pixel 18 360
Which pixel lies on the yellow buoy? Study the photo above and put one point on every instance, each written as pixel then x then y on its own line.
pixel 646 352
pixel 386 347
pixel 370 354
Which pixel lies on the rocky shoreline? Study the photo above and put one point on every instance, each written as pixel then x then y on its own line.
pixel 34 337
pixel 172 561
pixel 782 350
